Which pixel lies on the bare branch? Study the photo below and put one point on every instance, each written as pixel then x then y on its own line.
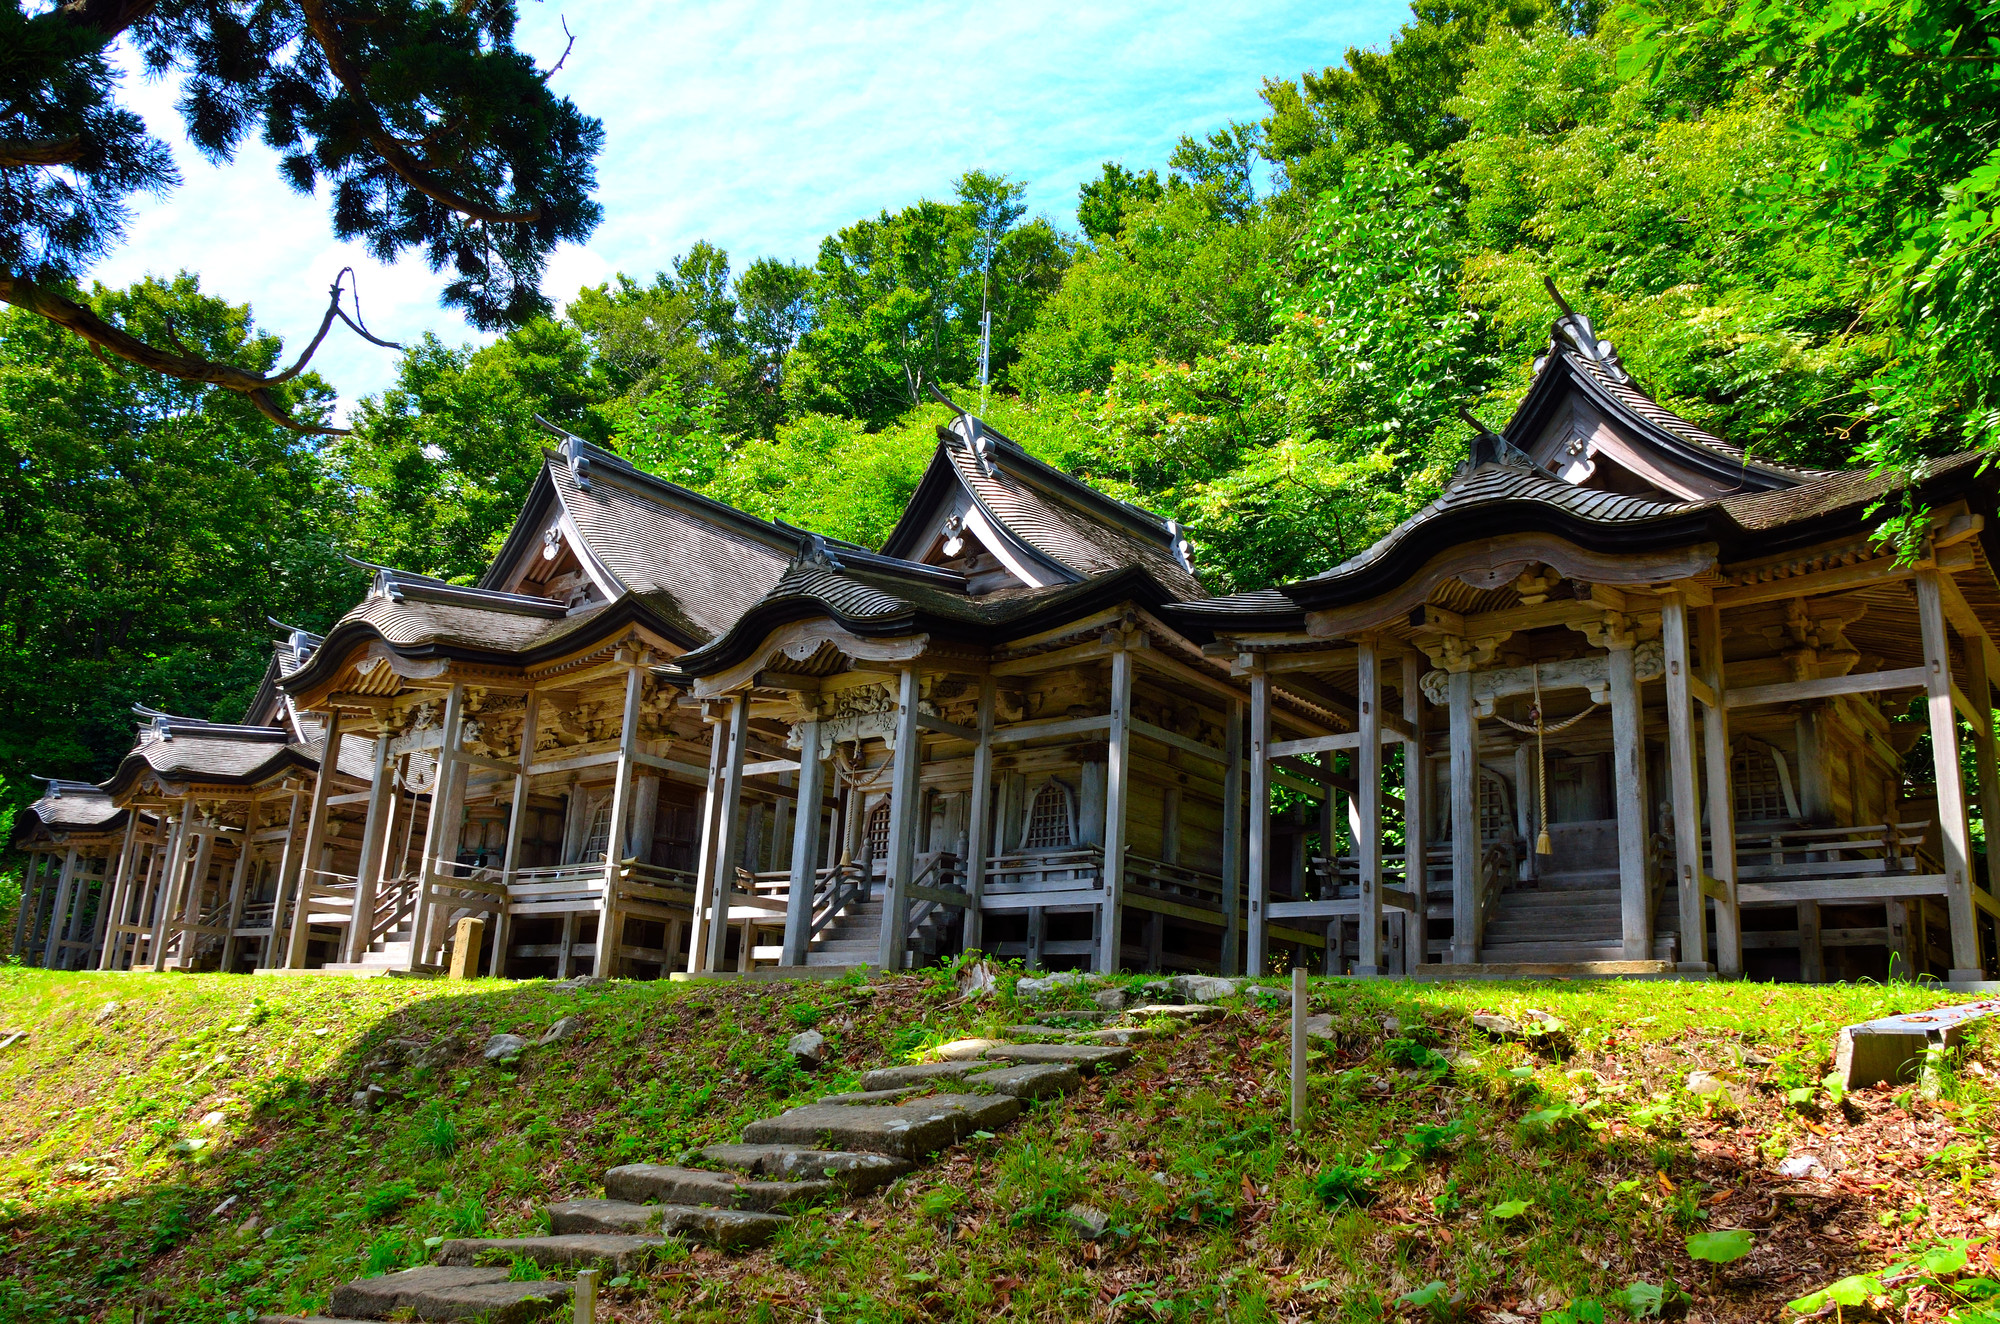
pixel 19 152
pixel 412 171
pixel 103 336
pixel 567 48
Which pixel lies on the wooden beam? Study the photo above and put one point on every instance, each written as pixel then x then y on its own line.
pixel 1368 846
pixel 1117 796
pixel 905 787
pixel 1047 727
pixel 939 726
pixel 1062 657
pixel 1827 687
pixel 1848 890
pixel 1952 827
pixel 1232 839
pixel 1178 741
pixel 979 825
pixel 1635 899
pixel 1259 854
pixel 1464 819
pixel 1838 579
pixel 1417 792
pixel 1685 794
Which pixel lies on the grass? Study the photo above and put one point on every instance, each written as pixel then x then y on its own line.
pixel 196 1147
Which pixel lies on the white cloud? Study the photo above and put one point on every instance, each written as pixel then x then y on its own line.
pixel 763 127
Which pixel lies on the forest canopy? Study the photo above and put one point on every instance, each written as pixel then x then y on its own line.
pixel 1782 215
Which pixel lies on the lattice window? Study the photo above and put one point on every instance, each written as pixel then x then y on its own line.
pixel 1759 786
pixel 597 832
pixel 1050 820
pixel 878 832
pixel 1496 815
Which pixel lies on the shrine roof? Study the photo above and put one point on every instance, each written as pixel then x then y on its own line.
pixel 67 806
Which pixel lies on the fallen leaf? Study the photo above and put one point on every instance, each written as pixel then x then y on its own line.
pixel 1665 1185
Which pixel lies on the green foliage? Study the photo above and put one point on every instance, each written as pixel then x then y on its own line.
pixel 1347 1182
pixel 1722 1247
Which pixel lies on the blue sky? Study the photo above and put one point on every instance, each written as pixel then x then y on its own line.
pixel 764 126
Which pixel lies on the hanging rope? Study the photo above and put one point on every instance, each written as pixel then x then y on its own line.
pixel 1540 730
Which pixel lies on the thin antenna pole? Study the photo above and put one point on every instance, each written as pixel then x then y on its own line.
pixel 985 333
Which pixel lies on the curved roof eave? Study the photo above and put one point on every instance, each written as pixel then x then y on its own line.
pixel 135 766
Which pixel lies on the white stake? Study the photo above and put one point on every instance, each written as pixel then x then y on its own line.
pixel 1298 1051
pixel 586 1295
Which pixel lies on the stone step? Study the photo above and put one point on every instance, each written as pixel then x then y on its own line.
pixel 729 1229
pixel 1031 1081
pixel 913 1131
pixel 654 1183
pixel 613 1252
pixel 442 1292
pixel 1086 1058
pixel 854 1174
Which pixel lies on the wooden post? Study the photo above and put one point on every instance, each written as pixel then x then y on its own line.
pixel 1681 778
pixel 30 898
pixel 1812 956
pixel 517 826
pixel 1721 798
pixel 374 848
pixel 1259 854
pixel 1950 789
pixel 805 843
pixel 584 1296
pixel 728 834
pixel 1979 687
pixel 1465 898
pixel 441 831
pixel 706 861
pixel 1416 819
pixel 237 876
pixel 1117 797
pixel 59 913
pixel 144 886
pixel 166 899
pixel 905 807
pixel 611 919
pixel 1635 889
pixel 1368 801
pixel 1232 839
pixel 1299 1010
pixel 117 894
pixel 309 853
pixel 272 953
pixel 979 825
pixel 196 885
pixel 467 940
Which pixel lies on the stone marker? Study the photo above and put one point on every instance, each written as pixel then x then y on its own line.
pixel 468 939
pixel 502 1048
pixel 561 1030
pixel 808 1049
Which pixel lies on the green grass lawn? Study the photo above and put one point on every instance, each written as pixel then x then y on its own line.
pixel 195 1148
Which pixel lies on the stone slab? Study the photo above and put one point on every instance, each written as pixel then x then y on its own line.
pixel 914 1130
pixel 730 1229
pixel 612 1252
pixel 1087 1058
pixel 922 1073
pixel 1180 1011
pixel 854 1173
pixel 655 1183
pixel 1032 1081
pixel 1119 1035
pixel 874 1096
pixel 441 1292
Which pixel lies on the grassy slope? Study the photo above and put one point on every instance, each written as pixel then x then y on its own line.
pixel 120 1135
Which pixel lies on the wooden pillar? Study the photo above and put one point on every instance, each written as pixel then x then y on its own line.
pixel 1950 789
pixel 1721 799
pixel 905 807
pixel 441 832
pixel 309 852
pixel 145 888
pixel 193 891
pixel 1117 799
pixel 711 833
pixel 611 919
pixel 728 835
pixel 59 913
pixel 1465 898
pixel 1258 857
pixel 1674 637
pixel 166 900
pixel 1232 839
pixel 1812 956
pixel 979 825
pixel 517 826
pixel 374 848
pixel 117 894
pixel 1628 752
pixel 31 881
pixel 1416 819
pixel 805 843
pixel 271 954
pixel 237 878
pixel 1979 688
pixel 1368 800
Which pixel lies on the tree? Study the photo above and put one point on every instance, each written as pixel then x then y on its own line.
pixel 430 130
pixel 1102 203
pixel 149 527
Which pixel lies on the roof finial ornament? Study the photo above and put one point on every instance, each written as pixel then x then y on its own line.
pixel 299 639
pixel 574 449
pixel 1575 328
pixel 814 553
pixel 1183 549
pixel 974 432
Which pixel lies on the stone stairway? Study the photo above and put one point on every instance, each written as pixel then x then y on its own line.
pixel 855 938
pixel 1570 917
pixel 737 1196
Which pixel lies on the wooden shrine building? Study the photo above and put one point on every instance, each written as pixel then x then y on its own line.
pixel 1621 700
